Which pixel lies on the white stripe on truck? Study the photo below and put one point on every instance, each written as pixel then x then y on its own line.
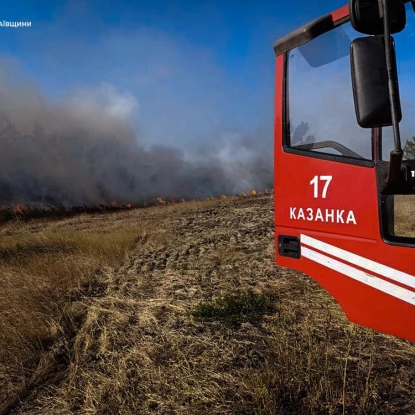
pixel 368 264
pixel 361 276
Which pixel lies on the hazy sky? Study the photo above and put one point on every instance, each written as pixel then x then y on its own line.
pixel 113 78
pixel 181 70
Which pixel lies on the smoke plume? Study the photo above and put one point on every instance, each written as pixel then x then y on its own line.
pixel 86 150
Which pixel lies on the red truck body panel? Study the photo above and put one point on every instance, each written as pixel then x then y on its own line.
pixel 373 281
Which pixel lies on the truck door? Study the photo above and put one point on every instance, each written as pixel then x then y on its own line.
pixel 331 220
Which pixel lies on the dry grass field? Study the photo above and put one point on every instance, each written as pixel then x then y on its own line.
pixel 180 309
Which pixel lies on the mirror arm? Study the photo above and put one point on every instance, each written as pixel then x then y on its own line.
pixel 396 154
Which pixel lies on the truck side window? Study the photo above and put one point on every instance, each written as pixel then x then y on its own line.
pixel 321 115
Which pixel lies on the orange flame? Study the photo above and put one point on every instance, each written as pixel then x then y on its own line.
pixel 115 204
pixel 161 201
pixel 17 209
pixel 254 193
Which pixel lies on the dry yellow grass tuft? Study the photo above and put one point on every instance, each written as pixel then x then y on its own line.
pixel 41 263
pixel 181 310
pixel 405 215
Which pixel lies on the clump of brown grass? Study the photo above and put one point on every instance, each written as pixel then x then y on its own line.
pixel 405 215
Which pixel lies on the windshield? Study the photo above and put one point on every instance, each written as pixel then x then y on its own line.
pixel 319 78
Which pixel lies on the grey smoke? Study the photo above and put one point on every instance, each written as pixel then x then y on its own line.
pixel 86 150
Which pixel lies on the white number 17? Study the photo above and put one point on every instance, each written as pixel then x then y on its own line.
pixel 315 181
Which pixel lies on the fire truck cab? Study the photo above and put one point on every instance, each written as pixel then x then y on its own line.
pixel 344 185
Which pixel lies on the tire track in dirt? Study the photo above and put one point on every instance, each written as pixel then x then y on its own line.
pixel 195 257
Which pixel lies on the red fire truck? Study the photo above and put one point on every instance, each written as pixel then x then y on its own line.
pixel 345 159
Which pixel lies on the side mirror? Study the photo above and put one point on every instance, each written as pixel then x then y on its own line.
pixel 366 16
pixel 370 82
